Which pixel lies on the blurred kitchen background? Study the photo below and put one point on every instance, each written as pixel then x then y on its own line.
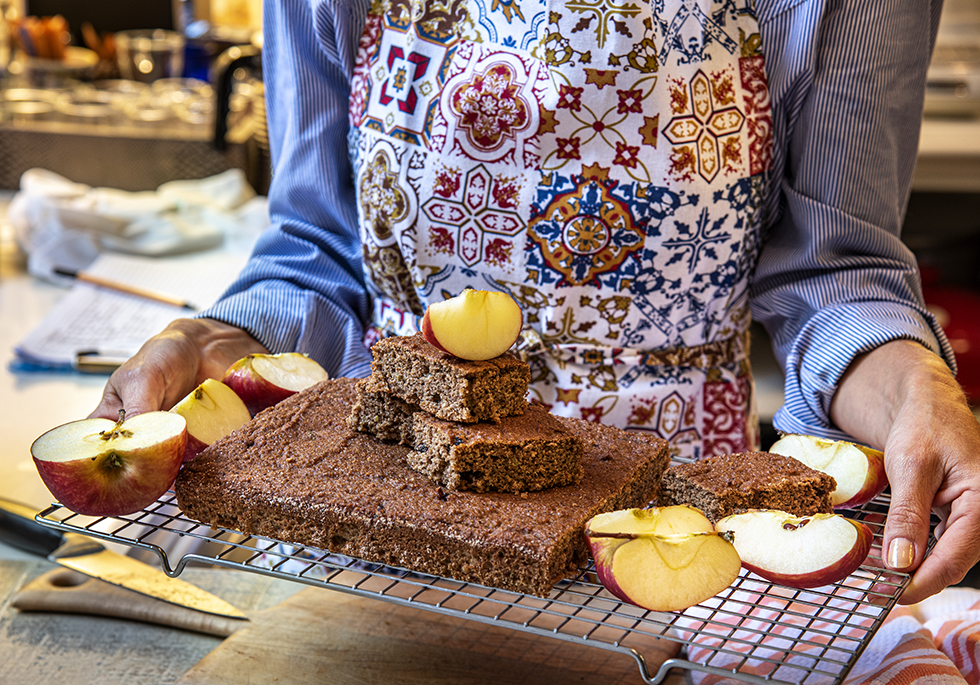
pixel 130 95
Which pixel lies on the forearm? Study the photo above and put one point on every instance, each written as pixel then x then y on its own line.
pixel 834 280
pixel 879 384
pixel 303 289
pixel 294 297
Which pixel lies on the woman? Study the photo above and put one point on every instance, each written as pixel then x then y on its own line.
pixel 643 180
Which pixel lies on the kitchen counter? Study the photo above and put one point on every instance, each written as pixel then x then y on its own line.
pixel 32 403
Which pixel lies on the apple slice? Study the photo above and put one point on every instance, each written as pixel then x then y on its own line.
pixel 98 467
pixel 800 552
pixel 212 410
pixel 475 325
pixel 662 559
pixel 858 470
pixel 262 380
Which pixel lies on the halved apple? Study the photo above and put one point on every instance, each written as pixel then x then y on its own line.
pixel 262 380
pixel 858 470
pixel 798 551
pixel 98 467
pixel 663 559
pixel 475 325
pixel 212 410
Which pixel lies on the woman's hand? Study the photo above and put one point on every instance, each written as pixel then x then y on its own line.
pixel 903 399
pixel 172 363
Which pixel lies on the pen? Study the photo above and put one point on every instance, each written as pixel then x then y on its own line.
pixel 93 361
pixel 124 288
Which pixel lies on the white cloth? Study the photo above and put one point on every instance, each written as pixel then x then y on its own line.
pixel 60 223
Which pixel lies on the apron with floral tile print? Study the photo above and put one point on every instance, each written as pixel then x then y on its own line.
pixel 604 162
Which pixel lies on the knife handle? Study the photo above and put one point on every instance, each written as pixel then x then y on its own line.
pixel 66 591
pixel 19 529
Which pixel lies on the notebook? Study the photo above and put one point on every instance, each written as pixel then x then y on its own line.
pixel 93 328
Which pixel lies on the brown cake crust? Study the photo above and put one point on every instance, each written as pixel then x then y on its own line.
pixel 533 451
pixel 734 483
pixel 298 473
pixel 449 387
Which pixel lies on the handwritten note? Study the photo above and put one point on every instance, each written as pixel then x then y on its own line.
pixel 94 319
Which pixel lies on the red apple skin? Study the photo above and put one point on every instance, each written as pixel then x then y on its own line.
pixel 875 480
pixel 256 392
pixel 662 558
pixel 212 411
pixel 94 487
pixel 603 549
pixel 193 448
pixel 874 484
pixel 829 575
pixel 430 337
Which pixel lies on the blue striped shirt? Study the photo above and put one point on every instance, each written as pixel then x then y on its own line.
pixel 846 80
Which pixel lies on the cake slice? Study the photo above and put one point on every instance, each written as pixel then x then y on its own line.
pixel 298 473
pixel 529 451
pixel 448 387
pixel 532 451
pixel 381 414
pixel 734 483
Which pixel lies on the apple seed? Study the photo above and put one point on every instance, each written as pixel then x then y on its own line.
pixel 795 526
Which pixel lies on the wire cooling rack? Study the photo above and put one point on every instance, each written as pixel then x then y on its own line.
pixel 754 631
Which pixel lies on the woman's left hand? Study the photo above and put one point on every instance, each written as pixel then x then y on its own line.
pixel 902 398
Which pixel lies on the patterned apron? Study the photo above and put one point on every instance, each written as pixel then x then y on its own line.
pixel 603 161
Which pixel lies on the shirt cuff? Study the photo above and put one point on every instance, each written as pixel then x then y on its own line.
pixel 827 345
pixel 285 318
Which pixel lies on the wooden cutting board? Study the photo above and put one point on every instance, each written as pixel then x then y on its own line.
pixel 317 635
pixel 322 636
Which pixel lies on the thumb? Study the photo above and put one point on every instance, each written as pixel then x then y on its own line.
pixel 108 408
pixel 134 392
pixel 907 527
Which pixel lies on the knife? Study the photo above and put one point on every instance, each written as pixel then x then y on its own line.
pixel 86 555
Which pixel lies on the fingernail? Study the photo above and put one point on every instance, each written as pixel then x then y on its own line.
pixel 901 554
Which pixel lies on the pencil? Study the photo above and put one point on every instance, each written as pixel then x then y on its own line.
pixel 155 295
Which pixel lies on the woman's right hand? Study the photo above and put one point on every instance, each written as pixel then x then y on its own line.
pixel 172 363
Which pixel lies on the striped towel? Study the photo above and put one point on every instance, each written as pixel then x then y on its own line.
pixel 935 641
pixel 809 637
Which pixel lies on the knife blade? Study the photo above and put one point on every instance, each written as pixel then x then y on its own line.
pixel 19 529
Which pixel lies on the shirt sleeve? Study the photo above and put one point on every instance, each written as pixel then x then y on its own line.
pixel 303 288
pixel 834 279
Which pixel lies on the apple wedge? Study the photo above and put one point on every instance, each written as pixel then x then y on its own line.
pixel 262 380
pixel 662 559
pixel 212 410
pixel 800 552
pixel 858 470
pixel 98 467
pixel 475 325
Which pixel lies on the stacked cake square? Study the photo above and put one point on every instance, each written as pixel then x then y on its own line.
pixel 469 424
